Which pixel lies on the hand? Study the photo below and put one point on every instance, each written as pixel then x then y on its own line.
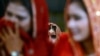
pixel 12 40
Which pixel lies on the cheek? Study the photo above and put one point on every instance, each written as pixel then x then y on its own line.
pixel 84 28
pixel 69 25
pixel 25 24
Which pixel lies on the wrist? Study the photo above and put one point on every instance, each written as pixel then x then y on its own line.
pixel 15 53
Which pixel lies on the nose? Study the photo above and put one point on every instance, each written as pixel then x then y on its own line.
pixel 71 23
pixel 51 32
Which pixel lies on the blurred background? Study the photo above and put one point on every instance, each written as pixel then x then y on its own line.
pixel 56 9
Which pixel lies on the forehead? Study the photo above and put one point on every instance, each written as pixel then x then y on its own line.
pixel 75 8
pixel 16 8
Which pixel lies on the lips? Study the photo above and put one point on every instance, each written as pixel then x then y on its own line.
pixel 75 31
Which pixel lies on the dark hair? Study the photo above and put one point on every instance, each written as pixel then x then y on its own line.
pixel 28 6
pixel 3 4
pixel 81 3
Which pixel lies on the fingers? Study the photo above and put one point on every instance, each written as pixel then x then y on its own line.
pixel 2 37
pixel 10 31
pixel 4 33
pixel 17 29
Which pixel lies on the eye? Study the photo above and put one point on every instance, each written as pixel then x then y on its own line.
pixel 9 14
pixel 77 17
pixel 21 17
pixel 54 28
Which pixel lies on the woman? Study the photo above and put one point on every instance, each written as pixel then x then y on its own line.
pixel 82 20
pixel 81 25
pixel 32 17
pixel 54 33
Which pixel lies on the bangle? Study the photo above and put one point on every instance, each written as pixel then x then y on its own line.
pixel 14 53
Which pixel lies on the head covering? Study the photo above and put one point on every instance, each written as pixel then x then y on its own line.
pixel 93 9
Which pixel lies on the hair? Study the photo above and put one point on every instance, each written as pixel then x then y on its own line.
pixel 27 4
pixel 3 4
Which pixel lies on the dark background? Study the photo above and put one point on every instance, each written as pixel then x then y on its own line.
pixel 3 4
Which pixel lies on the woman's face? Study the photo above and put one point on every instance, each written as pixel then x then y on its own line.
pixel 78 22
pixel 54 33
pixel 17 13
